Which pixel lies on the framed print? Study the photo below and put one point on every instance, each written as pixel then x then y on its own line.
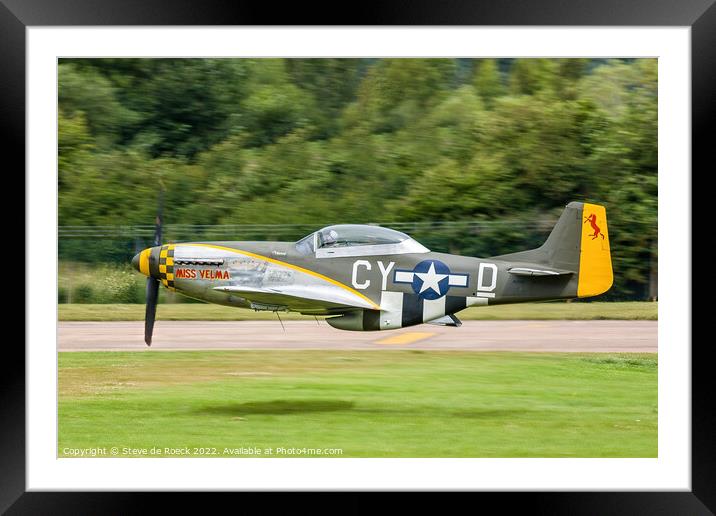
pixel 136 121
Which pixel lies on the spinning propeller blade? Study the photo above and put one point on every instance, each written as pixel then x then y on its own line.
pixel 151 312
pixel 153 284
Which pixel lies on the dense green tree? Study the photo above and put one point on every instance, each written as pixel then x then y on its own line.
pixel 531 76
pixel 569 72
pixel 332 83
pixel 396 92
pixel 91 95
pixel 178 107
pixel 488 80
pixel 74 150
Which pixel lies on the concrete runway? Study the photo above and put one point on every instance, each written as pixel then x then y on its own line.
pixel 580 336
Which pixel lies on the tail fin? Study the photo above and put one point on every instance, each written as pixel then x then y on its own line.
pixel 579 242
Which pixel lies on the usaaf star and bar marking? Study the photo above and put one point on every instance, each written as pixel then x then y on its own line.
pixel 430 279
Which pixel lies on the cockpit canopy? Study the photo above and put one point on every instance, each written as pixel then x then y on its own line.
pixel 357 240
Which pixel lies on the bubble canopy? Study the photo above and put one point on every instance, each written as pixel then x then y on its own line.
pixel 357 240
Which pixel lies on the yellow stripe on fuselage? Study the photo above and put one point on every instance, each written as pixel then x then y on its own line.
pixel 290 266
pixel 595 262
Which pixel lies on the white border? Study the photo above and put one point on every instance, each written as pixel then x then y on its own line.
pixel 670 471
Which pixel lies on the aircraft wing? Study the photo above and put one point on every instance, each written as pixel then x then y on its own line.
pixel 308 300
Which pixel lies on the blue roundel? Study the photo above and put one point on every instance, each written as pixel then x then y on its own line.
pixel 431 279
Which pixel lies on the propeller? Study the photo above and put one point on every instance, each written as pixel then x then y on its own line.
pixel 152 283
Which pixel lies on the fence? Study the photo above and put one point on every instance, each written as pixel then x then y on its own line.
pixel 270 231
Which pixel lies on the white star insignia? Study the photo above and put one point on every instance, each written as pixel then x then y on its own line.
pixel 430 279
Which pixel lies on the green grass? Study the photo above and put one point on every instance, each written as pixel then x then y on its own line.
pixel 388 403
pixel 206 312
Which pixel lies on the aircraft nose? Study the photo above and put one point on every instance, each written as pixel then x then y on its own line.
pixel 141 261
pixel 135 261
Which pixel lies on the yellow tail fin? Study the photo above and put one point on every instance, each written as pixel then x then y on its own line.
pixel 595 262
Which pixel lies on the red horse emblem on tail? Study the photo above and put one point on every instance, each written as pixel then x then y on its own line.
pixel 592 219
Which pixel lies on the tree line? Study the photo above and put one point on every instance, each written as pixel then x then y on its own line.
pixel 321 141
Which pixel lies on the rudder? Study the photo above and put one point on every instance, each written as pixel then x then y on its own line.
pixel 595 262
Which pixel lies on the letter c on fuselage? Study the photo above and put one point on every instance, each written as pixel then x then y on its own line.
pixel 354 279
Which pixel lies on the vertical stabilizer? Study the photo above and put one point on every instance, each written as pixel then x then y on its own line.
pixel 579 243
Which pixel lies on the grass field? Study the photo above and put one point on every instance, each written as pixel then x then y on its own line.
pixel 207 312
pixel 388 403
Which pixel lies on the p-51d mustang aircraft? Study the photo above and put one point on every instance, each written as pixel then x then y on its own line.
pixel 374 278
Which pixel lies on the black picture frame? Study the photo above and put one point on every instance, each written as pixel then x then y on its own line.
pixel 17 15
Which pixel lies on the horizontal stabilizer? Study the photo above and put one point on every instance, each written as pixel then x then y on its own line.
pixel 535 271
pixel 448 320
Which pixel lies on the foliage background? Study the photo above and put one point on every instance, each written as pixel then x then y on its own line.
pixel 470 156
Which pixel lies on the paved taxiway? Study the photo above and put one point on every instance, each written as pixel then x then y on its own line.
pixel 581 336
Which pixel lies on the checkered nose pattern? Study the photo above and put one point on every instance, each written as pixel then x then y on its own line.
pixel 166 266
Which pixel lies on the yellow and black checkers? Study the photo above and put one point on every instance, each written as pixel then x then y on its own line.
pixel 166 266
